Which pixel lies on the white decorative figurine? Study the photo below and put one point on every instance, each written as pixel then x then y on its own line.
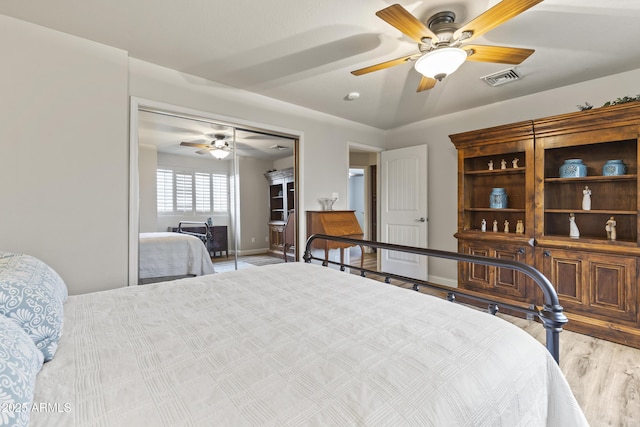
pixel 483 225
pixel 506 226
pixel 495 225
pixel 490 165
pixel 574 233
pixel 503 164
pixel 586 199
pixel 520 227
pixel 515 162
pixel 611 228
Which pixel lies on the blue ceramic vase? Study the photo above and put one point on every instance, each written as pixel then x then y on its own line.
pixel 498 198
pixel 573 168
pixel 614 167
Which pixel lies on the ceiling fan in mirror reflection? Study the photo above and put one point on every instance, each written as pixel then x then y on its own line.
pixel 218 148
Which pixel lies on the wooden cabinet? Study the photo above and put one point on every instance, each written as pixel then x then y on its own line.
pixel 281 205
pixel 501 157
pixel 596 277
pixel 219 241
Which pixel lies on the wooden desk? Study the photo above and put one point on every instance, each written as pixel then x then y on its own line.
pixel 334 223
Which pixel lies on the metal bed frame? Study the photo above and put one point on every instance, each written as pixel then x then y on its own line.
pixel 551 314
pixel 202 236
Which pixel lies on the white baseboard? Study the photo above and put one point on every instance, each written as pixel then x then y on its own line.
pixel 445 281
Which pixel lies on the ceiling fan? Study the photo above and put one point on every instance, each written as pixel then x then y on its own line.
pixel 442 42
pixel 218 148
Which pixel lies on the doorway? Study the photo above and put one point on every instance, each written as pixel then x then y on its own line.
pixel 363 189
pixel 357 192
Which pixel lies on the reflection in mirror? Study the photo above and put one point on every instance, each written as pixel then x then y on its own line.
pixel 207 179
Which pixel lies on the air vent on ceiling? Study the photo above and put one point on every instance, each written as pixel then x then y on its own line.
pixel 502 77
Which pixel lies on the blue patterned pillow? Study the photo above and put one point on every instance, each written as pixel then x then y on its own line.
pixel 35 271
pixel 20 362
pixel 32 295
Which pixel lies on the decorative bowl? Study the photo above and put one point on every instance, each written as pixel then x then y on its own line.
pixel 327 203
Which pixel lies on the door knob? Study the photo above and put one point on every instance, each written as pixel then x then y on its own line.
pixel 421 219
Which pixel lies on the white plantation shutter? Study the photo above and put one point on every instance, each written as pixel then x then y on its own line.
pixel 164 190
pixel 220 192
pixel 189 192
pixel 184 192
pixel 203 192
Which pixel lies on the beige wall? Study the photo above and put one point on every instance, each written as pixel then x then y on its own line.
pixel 254 205
pixel 148 207
pixel 64 161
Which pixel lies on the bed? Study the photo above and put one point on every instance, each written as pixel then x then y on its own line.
pixel 289 344
pixel 167 255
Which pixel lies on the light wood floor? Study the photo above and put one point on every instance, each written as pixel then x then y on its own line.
pixel 604 376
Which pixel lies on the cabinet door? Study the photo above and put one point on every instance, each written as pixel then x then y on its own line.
pixel 496 280
pixel 599 285
pixel 276 241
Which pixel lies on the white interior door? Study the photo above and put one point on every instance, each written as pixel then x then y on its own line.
pixel 403 209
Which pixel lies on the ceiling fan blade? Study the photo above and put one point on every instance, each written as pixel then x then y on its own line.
pixel 501 54
pixel 194 144
pixel 408 24
pixel 493 17
pixel 205 151
pixel 426 83
pixel 383 65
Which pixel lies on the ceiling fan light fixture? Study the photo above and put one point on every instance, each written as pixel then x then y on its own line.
pixel 219 153
pixel 439 63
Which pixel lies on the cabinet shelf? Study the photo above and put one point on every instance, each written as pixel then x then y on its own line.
pixel 596 178
pixel 510 171
pixel 584 240
pixel 591 212
pixel 496 210
pixel 476 234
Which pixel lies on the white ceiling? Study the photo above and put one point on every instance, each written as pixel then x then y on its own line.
pixel 167 131
pixel 302 52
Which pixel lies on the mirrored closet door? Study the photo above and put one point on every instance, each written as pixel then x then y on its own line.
pixel 217 181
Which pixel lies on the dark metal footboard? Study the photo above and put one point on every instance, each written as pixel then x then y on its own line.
pixel 195 224
pixel 551 314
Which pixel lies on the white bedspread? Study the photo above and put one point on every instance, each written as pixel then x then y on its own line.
pixel 172 254
pixel 295 344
